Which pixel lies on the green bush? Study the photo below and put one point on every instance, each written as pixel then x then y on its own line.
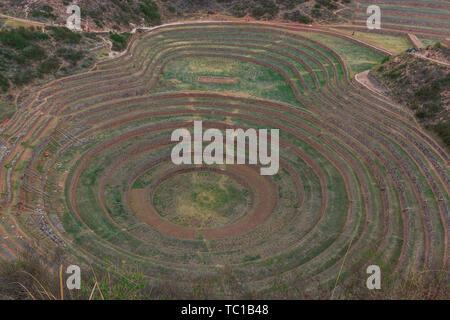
pixel 264 7
pixel 328 4
pixel 445 81
pixel 393 74
pixel 24 77
pixel 4 84
pixel 171 9
pixel 51 65
pixel 13 39
pixel 316 13
pixel 70 54
pixel 239 10
pixel 64 34
pixel 34 52
pixel 20 38
pixel 98 22
pixel 20 59
pixel 120 41
pixel 429 92
pixel 43 14
pixel 47 8
pixel 297 16
pixel 150 11
pixel 443 130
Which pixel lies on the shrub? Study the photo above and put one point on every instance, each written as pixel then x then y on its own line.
pixel 4 83
pixel 98 22
pixel 298 17
pixel 120 41
pixel 150 11
pixel 34 52
pixel 20 59
pixel 316 13
pixel 51 65
pixel 328 4
pixel 264 7
pixel 393 74
pixel 70 54
pixel 47 8
pixel 171 9
pixel 65 34
pixel 13 39
pixel 239 10
pixel 429 92
pixel 24 77
pixel 45 12
pixel 443 130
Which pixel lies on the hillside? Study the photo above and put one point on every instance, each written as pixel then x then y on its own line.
pixel 422 85
pixel 124 15
pixel 30 56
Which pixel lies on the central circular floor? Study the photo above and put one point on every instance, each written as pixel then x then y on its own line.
pixel 201 199
pixel 203 202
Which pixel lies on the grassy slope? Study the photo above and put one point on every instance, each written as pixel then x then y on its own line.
pixel 393 43
pixel 253 79
pixel 357 57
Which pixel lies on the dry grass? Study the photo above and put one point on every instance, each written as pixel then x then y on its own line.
pixel 29 279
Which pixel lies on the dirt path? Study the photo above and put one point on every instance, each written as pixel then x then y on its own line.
pixel 363 78
pixel 420 55
pixel 415 41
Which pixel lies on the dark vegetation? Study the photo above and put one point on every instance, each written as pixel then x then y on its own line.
pixel 423 86
pixel 28 53
pixel 119 41
pixel 123 15
pixel 44 11
pixel 331 5
pixel 296 16
pixel 64 35
pixel 264 8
